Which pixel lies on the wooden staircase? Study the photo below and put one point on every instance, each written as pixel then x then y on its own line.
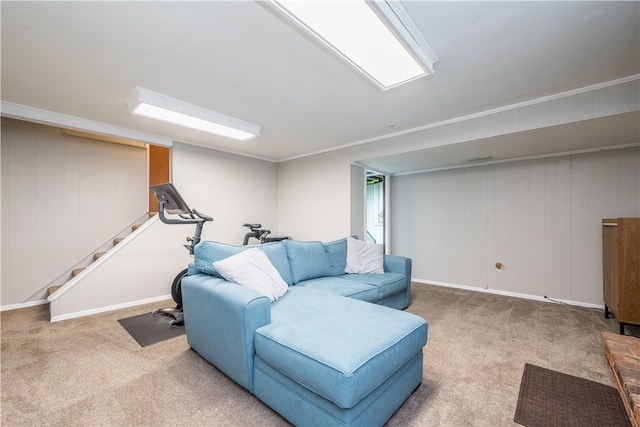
pixel 96 256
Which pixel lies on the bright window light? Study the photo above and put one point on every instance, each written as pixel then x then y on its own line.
pixel 153 105
pixel 354 31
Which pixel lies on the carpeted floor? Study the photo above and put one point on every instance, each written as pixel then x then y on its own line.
pixel 91 372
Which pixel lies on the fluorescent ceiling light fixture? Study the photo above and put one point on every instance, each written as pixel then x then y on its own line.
pixel 160 107
pixel 378 38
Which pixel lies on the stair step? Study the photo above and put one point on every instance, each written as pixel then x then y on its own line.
pixel 53 289
pixel 97 256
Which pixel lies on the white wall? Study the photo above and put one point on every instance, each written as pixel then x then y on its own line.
pixel 318 190
pixel 314 197
pixel 139 270
pixel 232 189
pixel 540 218
pixel 62 197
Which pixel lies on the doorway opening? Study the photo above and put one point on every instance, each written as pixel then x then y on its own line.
pixel 375 207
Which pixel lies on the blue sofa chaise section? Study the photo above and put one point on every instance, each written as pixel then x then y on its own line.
pixel 335 349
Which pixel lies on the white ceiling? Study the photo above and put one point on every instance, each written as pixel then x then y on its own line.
pixel 239 58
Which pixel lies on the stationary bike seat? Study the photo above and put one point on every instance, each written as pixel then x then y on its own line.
pixel 252 226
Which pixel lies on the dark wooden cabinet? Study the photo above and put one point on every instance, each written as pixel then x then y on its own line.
pixel 621 269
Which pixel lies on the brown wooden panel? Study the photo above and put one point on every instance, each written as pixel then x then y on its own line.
pixel 159 158
pixel 629 270
pixel 621 268
pixel 610 264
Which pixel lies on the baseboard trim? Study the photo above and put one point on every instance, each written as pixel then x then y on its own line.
pixel 23 305
pixel 421 281
pixel 109 308
pixel 508 294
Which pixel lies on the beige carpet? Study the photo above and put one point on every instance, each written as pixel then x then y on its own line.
pixel 90 372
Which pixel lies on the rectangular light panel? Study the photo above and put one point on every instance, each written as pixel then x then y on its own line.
pixel 356 32
pixel 160 107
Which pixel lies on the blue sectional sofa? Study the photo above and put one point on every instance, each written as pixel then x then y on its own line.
pixel 334 349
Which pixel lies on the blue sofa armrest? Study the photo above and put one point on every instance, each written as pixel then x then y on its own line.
pixel 402 265
pixel 220 321
pixel 192 269
pixel 398 264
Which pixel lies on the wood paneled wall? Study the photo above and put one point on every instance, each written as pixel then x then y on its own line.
pixel 540 218
pixel 62 197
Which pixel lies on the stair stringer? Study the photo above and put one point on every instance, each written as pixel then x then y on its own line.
pixel 138 270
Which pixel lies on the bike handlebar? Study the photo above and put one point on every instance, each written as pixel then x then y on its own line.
pixel 183 220
pixel 253 227
pixel 203 216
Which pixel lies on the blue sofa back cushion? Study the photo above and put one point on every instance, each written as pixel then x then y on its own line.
pixel 337 253
pixel 308 260
pixel 208 252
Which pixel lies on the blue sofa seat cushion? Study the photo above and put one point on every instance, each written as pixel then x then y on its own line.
pixel 339 348
pixel 208 252
pixel 367 412
pixel 344 287
pixel 387 284
pixel 366 287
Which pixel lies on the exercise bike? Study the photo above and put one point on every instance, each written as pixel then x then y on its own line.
pixel 257 232
pixel 170 201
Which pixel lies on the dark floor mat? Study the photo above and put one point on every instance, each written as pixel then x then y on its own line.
pixel 148 329
pixel 550 398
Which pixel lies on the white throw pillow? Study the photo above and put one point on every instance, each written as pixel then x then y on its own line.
pixel 253 269
pixel 364 257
